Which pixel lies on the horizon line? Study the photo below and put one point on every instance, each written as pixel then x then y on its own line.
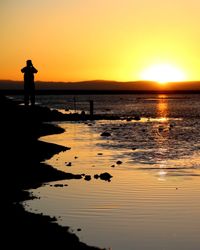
pixel 102 80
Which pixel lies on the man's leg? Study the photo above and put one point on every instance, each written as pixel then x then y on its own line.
pixel 32 94
pixel 26 98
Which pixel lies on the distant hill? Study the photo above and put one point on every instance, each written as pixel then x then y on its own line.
pixel 104 85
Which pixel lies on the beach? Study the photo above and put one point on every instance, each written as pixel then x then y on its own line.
pixel 21 156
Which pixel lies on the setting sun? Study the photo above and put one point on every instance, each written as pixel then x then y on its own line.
pixel 163 73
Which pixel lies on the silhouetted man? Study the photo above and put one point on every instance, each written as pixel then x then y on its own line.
pixel 29 85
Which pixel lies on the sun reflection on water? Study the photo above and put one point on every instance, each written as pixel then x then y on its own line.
pixel 162 107
pixel 162 133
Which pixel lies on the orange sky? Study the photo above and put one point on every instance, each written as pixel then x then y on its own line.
pixel 71 40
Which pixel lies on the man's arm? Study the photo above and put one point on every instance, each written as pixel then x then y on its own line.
pixel 23 69
pixel 34 69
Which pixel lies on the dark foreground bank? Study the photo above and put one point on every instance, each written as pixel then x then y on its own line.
pixel 21 169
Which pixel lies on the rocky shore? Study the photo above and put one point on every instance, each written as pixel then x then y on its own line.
pixel 21 167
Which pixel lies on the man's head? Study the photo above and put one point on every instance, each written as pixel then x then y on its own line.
pixel 29 63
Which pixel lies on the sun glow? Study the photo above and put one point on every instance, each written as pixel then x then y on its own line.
pixel 163 73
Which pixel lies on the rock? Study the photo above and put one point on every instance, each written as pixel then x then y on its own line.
pixel 105 176
pixel 105 134
pixel 87 178
pixel 119 162
pixel 100 154
pixel 58 185
pixel 112 166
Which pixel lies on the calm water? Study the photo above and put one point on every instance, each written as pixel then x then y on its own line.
pixel 152 201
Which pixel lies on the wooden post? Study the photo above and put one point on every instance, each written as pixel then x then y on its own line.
pixel 91 108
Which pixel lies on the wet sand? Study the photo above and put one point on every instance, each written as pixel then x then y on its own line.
pixel 22 169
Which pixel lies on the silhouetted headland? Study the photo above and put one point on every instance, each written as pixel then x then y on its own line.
pixel 102 87
pixel 21 156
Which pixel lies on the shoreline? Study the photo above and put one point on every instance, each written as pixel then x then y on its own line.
pixel 22 170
